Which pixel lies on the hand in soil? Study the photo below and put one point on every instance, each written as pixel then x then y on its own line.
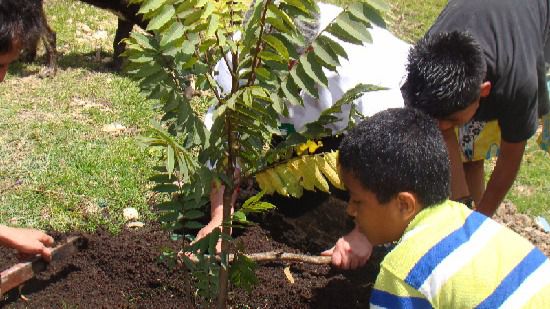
pixel 351 251
pixel 216 212
pixel 27 242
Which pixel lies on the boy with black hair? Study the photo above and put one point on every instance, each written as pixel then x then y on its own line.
pixel 396 169
pixel 20 26
pixel 481 69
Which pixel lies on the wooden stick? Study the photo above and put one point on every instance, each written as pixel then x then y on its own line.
pixel 21 272
pixel 275 256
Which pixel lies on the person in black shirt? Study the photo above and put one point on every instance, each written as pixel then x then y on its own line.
pixel 481 68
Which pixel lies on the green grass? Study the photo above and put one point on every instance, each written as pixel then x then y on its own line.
pixel 60 170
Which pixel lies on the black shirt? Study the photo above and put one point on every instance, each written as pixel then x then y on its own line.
pixel 513 35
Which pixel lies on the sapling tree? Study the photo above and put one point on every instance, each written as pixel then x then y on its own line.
pixel 270 66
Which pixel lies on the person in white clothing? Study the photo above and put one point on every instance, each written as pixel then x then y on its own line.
pixel 381 63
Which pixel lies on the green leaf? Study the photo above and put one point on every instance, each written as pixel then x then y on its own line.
pixel 239 216
pixel 173 33
pixel 278 104
pixel 142 58
pixel 186 5
pixel 349 30
pixel 326 55
pixel 169 205
pixel 350 96
pixel 213 25
pixel 291 92
pixel 277 45
pixel 142 40
pixel 148 70
pixel 192 18
pixel 150 5
pixel 263 73
pixel 313 69
pixel 193 214
pixel 168 188
pixel 277 24
pixel 297 4
pixel 303 81
pixel 269 56
pixel 170 162
pixel 330 44
pixel 193 225
pixel 208 9
pixel 162 18
pixel 281 15
pixel 366 13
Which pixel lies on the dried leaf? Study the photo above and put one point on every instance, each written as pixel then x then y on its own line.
pixel 288 275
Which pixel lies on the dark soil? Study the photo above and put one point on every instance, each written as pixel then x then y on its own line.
pixel 123 271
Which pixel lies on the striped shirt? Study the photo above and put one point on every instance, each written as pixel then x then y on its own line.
pixel 452 257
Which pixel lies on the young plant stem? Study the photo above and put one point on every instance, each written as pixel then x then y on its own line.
pixel 227 206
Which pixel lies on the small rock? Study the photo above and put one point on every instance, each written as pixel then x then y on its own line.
pixel 543 224
pixel 135 224
pixel 130 214
pixel 113 127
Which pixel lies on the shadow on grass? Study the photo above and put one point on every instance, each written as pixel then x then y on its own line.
pixel 87 61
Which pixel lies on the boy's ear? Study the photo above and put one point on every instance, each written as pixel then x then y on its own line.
pixel 485 89
pixel 408 205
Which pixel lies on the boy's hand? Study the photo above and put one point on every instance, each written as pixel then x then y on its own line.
pixel 27 242
pixel 351 251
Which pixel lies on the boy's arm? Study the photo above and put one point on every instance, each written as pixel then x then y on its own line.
pixel 26 241
pixel 351 251
pixel 503 176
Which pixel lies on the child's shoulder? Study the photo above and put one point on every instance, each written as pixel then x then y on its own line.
pixel 452 246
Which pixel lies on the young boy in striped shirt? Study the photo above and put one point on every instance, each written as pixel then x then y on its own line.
pixel 396 168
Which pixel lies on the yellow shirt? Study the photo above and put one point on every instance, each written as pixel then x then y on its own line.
pixel 452 257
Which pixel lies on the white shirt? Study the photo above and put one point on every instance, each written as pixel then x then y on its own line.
pixel 381 63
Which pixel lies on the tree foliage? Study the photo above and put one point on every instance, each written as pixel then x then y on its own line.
pixel 192 40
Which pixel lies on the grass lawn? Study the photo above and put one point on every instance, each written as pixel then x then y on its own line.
pixel 62 166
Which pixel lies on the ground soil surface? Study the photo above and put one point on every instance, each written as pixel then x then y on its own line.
pixel 123 271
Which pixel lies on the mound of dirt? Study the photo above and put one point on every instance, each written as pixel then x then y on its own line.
pixel 124 271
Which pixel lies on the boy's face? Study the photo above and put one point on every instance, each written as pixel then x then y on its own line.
pixel 381 223
pixel 458 118
pixel 463 116
pixel 7 58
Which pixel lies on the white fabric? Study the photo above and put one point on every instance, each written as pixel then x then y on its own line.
pixel 380 63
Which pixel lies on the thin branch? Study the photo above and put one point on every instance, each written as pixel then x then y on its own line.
pixel 210 69
pixel 224 55
pixel 273 256
pixel 252 76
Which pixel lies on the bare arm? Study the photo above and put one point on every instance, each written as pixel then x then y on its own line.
pixel 459 187
pixel 503 176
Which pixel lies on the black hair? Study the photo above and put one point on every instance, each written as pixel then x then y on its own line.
pixel 445 72
pixel 398 150
pixel 21 21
